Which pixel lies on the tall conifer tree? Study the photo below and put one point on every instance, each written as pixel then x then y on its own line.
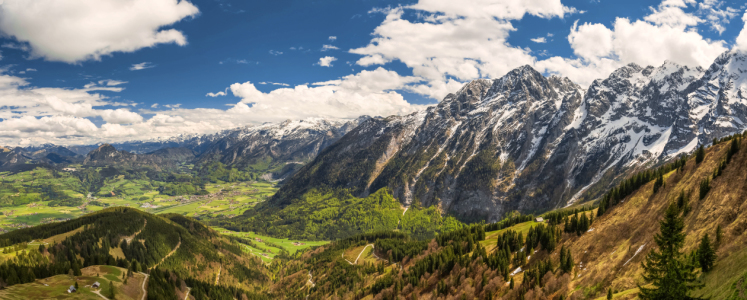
pixel 666 268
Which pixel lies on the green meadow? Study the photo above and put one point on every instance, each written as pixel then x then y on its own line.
pixel 42 195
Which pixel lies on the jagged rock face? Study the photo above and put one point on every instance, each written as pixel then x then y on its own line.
pixel 532 143
pixel 287 142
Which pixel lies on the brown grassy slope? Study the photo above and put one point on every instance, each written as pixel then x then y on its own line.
pixel 617 235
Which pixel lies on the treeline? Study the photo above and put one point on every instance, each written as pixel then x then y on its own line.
pixel 632 184
pixel 511 220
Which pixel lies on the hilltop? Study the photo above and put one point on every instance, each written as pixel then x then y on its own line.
pixel 174 249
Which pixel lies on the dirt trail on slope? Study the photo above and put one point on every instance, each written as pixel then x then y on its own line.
pixel 167 255
pixel 129 238
pixel 145 280
pixel 218 277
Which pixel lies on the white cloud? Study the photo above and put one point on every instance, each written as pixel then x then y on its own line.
pixel 456 43
pixel 111 82
pixel 332 38
pixel 274 83
pixel 329 47
pixel 665 34
pixel 453 42
pixel 120 116
pixel 326 61
pixel 540 40
pixel 141 66
pixel 154 105
pixel 75 31
pixel 221 93
pixel 717 18
pixel 741 42
pixel 57 115
pixel 276 53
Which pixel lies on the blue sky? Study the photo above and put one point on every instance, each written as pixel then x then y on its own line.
pixel 91 71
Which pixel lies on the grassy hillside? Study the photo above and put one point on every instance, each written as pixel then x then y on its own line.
pixel 528 260
pixel 613 250
pixel 129 238
pixel 327 215
pixel 45 195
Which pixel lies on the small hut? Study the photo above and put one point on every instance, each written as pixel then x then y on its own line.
pixel 539 220
pixel 96 285
pixel 71 289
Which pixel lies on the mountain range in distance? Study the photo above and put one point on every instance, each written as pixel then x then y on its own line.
pixel 520 142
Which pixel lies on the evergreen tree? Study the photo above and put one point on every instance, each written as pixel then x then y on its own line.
pixel 706 254
pixel 671 275
pixel 705 186
pixel 111 289
pixel 609 294
pixel 699 154
pixel 658 183
pixel 719 235
pixel 511 284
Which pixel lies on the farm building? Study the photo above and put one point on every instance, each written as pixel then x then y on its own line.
pixel 539 219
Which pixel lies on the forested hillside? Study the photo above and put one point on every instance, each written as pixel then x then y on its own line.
pixel 140 242
pixel 579 253
pixel 335 214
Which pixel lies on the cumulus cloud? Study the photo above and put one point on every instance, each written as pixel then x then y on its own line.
pixel 332 38
pixel 665 34
pixel 741 42
pixel 59 115
pixel 371 92
pixel 326 61
pixel 141 66
pixel 75 31
pixel 453 42
pixel 276 53
pixel 540 40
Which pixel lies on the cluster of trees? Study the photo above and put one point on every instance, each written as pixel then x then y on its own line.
pixel 547 236
pixel 566 260
pixel 632 184
pixel 396 249
pixel 577 224
pixel 15 248
pixel 164 283
pixel 215 171
pixel 559 217
pixel 511 219
pixel 534 275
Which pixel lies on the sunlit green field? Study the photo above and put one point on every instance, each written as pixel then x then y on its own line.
pixel 225 199
pixel 292 246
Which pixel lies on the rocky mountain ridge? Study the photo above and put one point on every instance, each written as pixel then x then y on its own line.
pixel 533 143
